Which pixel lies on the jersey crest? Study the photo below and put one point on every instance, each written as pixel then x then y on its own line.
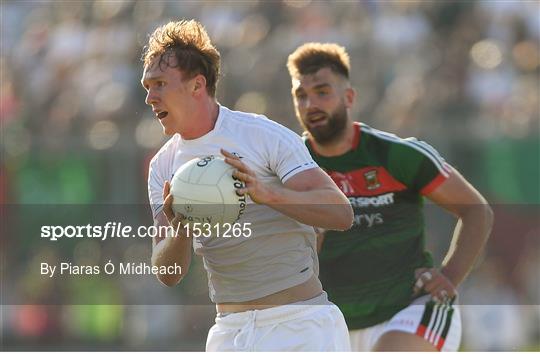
pixel 368 181
pixel 372 182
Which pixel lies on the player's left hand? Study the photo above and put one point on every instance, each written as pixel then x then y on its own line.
pixel 175 219
pixel 435 283
pixel 258 191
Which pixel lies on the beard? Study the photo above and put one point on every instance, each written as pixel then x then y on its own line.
pixel 333 130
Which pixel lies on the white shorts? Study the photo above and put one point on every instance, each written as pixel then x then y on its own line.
pixel 314 325
pixel 440 324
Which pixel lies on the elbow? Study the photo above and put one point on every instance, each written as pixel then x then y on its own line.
pixel 479 216
pixel 489 217
pixel 169 280
pixel 486 214
pixel 344 219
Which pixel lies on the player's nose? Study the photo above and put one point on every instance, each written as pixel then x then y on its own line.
pixel 311 104
pixel 151 98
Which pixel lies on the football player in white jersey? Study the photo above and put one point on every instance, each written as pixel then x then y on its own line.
pixel 266 287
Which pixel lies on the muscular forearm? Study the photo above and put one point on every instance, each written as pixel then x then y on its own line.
pixel 325 208
pixel 172 251
pixel 470 235
pixel 310 196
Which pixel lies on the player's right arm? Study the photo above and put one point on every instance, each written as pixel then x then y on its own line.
pixel 420 167
pixel 173 247
pixel 475 216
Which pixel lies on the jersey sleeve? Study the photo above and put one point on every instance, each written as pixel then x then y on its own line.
pixel 288 154
pixel 159 171
pixel 156 182
pixel 418 165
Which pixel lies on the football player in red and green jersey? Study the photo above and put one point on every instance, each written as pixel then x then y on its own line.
pixel 378 272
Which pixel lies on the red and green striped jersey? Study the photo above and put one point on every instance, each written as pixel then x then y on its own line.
pixel 368 271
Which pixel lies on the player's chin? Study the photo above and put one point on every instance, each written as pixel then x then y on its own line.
pixel 317 130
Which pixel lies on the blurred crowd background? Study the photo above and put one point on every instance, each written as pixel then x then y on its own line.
pixel 461 75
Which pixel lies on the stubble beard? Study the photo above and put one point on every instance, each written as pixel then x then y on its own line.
pixel 333 130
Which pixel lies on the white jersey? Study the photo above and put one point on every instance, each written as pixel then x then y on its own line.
pixel 281 252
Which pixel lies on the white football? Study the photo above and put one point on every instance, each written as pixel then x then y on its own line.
pixel 205 191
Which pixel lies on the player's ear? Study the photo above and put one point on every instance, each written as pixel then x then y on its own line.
pixel 199 84
pixel 350 97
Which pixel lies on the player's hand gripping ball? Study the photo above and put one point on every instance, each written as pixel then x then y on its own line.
pixel 205 191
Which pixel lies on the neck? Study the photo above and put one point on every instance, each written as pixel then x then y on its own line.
pixel 206 116
pixel 339 146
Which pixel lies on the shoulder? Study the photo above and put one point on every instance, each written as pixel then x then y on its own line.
pixel 166 152
pixel 253 123
pixel 395 144
pixel 411 160
pixel 376 136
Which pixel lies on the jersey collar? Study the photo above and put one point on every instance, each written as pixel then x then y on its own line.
pixel 356 139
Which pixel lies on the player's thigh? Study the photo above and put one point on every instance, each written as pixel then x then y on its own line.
pixel 423 325
pixel 395 341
